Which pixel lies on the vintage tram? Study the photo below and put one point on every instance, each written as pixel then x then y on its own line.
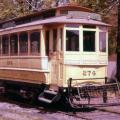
pixel 57 53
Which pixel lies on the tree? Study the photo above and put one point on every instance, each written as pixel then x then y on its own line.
pixel 7 9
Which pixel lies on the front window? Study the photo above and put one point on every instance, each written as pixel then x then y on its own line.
pixel 5 45
pixel 35 42
pixel 89 41
pixel 72 40
pixel 23 43
pixel 102 41
pixel 13 44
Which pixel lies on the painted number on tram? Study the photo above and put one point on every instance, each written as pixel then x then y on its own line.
pixel 89 73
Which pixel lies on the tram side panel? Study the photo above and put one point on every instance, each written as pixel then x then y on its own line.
pixel 23 70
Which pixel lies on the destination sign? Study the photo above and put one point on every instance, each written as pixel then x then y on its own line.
pixel 84 15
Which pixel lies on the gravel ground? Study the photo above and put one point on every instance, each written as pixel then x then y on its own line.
pixel 9 111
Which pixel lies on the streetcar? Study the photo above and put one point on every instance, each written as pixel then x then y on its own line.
pixel 56 54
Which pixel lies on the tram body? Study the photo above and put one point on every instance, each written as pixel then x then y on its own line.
pixel 52 46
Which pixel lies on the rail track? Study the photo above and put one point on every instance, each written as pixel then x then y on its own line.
pixel 80 114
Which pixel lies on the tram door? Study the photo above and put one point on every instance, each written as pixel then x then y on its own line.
pixel 54 56
pixel 51 50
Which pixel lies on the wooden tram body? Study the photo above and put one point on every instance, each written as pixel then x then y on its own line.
pixel 51 46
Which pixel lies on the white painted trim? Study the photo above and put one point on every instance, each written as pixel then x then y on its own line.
pixel 24 69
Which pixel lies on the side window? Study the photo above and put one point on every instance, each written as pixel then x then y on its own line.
pixel 5 45
pixel 13 44
pixel 23 43
pixel 72 40
pixel 0 45
pixel 47 39
pixel 89 41
pixel 102 41
pixel 35 42
pixel 61 39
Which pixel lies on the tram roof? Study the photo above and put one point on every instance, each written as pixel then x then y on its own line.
pixel 54 20
pixel 62 7
pixel 76 14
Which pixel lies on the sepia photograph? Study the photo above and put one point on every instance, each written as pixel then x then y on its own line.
pixel 59 59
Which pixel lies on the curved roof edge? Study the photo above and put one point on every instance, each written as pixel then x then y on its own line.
pixel 67 6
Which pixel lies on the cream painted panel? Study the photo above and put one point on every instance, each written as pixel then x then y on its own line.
pixel 28 63
pixel 84 72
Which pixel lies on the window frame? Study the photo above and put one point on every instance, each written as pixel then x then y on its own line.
pixel 90 30
pixel 23 53
pixel 70 28
pixel 29 41
pixel 5 54
pixel 13 54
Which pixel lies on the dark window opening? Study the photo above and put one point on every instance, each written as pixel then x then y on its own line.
pixel 5 44
pixel 72 40
pixel 89 41
pixel 54 39
pixel 13 44
pixel 35 42
pixel 47 36
pixel 23 43
pixel 0 45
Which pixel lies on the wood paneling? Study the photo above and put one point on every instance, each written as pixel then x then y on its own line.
pixel 24 76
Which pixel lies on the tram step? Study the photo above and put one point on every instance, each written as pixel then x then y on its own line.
pixel 42 99
pixel 50 92
pixel 49 96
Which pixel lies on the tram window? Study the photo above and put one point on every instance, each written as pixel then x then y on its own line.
pixel 72 40
pixel 89 41
pixel 61 38
pixel 102 41
pixel 13 44
pixel 0 45
pixel 23 43
pixel 54 39
pixel 5 45
pixel 47 36
pixel 35 42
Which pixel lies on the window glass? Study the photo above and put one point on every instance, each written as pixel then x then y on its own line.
pixel 47 36
pixel 13 44
pixel 72 40
pixel 89 41
pixel 23 43
pixel 5 45
pixel 54 39
pixel 102 41
pixel 61 38
pixel 35 42
pixel 0 45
